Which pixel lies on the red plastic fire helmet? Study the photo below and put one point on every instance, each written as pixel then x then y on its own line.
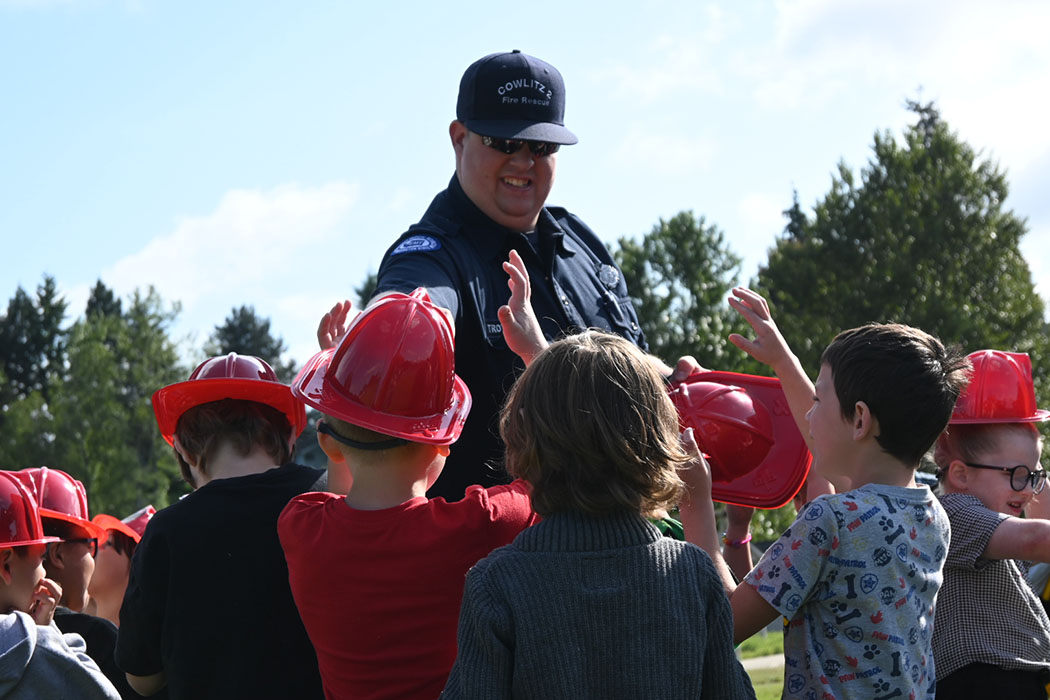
pixel 232 376
pixel 734 432
pixel 60 497
pixel 19 515
pixel 1000 390
pixel 393 373
pixel 743 425
pixel 133 526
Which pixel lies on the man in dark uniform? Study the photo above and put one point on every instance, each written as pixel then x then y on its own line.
pixel 509 125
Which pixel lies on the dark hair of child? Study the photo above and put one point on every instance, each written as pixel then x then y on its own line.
pixel 908 379
pixel 203 429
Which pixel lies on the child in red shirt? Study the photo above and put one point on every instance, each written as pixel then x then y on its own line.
pixel 378 574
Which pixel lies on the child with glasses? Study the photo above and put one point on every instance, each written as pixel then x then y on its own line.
pixel 992 635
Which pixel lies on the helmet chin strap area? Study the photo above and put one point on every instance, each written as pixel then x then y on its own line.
pixel 323 427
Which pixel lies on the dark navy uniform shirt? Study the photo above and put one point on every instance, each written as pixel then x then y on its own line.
pixel 456 252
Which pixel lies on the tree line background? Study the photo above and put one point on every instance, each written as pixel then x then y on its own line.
pixel 919 236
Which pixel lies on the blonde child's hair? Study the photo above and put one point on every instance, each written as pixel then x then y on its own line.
pixel 967 442
pixel 591 427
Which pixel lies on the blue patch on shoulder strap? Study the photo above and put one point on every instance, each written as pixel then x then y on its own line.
pixel 417 244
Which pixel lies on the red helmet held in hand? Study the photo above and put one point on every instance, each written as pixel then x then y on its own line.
pixel 1000 390
pixel 744 426
pixel 392 373
pixel 732 430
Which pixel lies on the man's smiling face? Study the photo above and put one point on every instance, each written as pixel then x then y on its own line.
pixel 510 189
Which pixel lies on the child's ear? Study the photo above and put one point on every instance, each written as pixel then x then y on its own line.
pixel 957 475
pixel 330 447
pixel 53 555
pixel 444 450
pixel 5 565
pixel 864 423
pixel 193 462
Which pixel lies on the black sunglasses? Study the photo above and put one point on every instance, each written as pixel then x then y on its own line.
pixel 1020 476
pixel 92 543
pixel 511 146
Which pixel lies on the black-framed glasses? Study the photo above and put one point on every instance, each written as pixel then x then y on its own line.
pixel 540 149
pixel 1020 476
pixel 92 543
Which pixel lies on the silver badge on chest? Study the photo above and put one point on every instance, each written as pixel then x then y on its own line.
pixel 609 276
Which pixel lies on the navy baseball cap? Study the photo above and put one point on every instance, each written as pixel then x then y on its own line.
pixel 514 96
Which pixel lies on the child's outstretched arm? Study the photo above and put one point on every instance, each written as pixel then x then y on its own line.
pixel 770 348
pixel 521 328
pixel 1020 538
pixel 751 612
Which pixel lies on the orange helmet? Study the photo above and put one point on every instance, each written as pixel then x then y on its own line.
pixel 743 425
pixel 60 496
pixel 1000 390
pixel 133 526
pixel 19 515
pixel 232 376
pixel 393 373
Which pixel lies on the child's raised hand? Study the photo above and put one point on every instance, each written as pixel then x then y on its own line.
pixel 45 600
pixel 333 325
pixel 521 328
pixel 769 346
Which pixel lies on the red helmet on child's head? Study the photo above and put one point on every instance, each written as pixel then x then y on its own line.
pixel 1000 390
pixel 133 526
pixel 744 425
pixel 393 373
pixel 232 376
pixel 19 515
pixel 60 497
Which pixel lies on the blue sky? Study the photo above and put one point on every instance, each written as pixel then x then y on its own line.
pixel 267 153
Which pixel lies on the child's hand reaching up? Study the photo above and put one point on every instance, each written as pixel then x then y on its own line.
pixel 521 328
pixel 333 325
pixel 769 346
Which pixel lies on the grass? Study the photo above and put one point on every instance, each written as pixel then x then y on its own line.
pixel 768 683
pixel 762 645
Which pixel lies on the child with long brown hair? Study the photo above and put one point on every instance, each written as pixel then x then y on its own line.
pixel 593 602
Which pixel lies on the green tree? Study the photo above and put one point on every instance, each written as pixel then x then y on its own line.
pixel 679 275
pixel 32 342
pixel 366 289
pixel 103 301
pixel 246 333
pixel 921 237
pixel 104 430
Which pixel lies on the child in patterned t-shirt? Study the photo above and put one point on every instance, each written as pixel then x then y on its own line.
pixel 856 573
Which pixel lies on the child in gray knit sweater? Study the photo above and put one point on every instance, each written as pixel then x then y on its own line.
pixel 593 602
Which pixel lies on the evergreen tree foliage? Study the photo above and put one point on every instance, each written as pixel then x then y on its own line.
pixel 246 333
pixel 922 237
pixel 679 276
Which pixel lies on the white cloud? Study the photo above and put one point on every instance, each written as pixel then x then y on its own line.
pixel 280 251
pixel 251 240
